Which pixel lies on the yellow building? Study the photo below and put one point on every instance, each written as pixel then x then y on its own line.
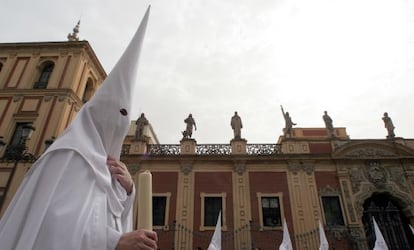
pixel 307 176
pixel 43 84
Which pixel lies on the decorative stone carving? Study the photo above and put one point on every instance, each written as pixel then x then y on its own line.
pixel 47 98
pixel 70 101
pixel 355 234
pixel 369 152
pixel 375 173
pixel 17 98
pixel 296 167
pixel 186 167
pixel 348 201
pixel 133 168
pixel 356 176
pixel 74 36
pixel 61 98
pixel 338 232
pixel 188 146
pixel 239 167
pixel 408 210
pixel 328 190
pixel 309 169
pixel 397 175
pixel 343 168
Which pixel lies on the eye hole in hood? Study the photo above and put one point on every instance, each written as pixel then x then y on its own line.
pixel 124 112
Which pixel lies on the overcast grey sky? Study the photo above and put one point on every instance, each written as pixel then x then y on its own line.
pixel 353 58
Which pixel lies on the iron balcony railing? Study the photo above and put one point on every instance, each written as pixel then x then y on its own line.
pixel 214 149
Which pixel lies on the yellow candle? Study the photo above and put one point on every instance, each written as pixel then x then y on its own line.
pixel 145 201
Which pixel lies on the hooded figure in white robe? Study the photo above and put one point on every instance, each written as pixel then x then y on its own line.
pixel 69 199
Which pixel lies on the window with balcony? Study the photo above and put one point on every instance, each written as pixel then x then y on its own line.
pixel 16 140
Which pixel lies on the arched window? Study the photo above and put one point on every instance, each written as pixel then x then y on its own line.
pixel 87 94
pixel 44 76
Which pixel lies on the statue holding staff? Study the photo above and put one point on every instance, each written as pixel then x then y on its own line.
pixel 288 122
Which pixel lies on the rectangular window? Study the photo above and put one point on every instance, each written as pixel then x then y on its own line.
pixel 160 210
pixel 271 215
pixel 212 207
pixel 332 210
pixel 159 205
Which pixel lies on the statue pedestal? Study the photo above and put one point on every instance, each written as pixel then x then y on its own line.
pixel 138 147
pixel 188 146
pixel 238 146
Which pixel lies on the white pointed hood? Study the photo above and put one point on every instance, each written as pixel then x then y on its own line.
pixel 286 242
pixel 106 125
pixel 380 243
pixel 411 228
pixel 215 243
pixel 99 128
pixel 324 245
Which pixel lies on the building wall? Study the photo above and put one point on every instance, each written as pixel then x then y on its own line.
pixel 51 109
pixel 268 183
pixel 299 176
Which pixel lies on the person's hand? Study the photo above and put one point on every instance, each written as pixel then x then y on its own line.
pixel 139 239
pixel 120 172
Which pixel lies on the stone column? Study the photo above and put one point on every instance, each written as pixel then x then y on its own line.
pixel 185 206
pixel 304 202
pixel 241 201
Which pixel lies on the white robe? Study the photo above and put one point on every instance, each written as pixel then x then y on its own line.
pixel 40 216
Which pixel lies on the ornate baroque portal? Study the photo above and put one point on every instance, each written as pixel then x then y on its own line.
pixel 380 190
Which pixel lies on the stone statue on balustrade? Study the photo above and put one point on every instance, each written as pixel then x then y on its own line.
pixel 328 124
pixel 141 123
pixel 388 125
pixel 188 132
pixel 288 123
pixel 236 125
